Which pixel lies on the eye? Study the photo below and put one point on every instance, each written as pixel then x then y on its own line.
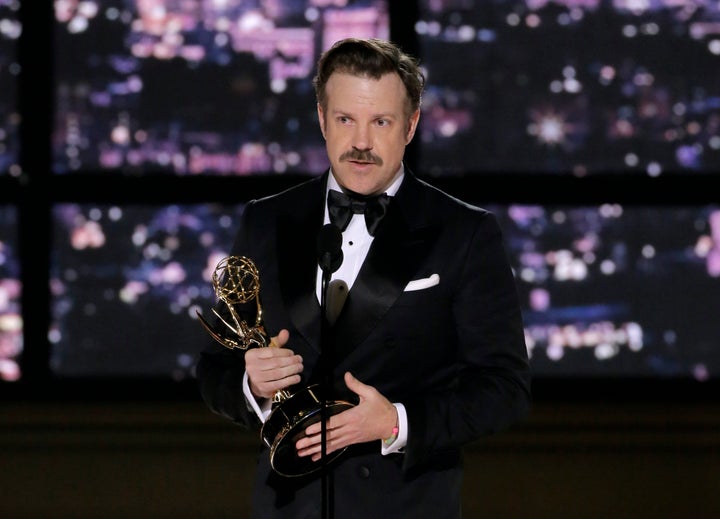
pixel 343 119
pixel 383 122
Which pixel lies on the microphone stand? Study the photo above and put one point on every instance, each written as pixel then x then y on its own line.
pixel 330 257
pixel 326 370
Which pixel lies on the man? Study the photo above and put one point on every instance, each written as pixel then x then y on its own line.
pixel 429 344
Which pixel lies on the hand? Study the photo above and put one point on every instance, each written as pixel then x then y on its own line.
pixel 372 419
pixel 273 368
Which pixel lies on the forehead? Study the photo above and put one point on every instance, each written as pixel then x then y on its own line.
pixel 347 92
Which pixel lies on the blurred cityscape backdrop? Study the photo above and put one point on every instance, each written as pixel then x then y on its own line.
pixel 591 127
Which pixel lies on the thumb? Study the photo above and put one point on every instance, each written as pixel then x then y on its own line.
pixel 355 385
pixel 280 339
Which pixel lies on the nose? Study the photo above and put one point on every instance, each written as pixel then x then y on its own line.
pixel 362 138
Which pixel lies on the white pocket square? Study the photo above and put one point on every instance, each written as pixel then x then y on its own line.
pixel 421 284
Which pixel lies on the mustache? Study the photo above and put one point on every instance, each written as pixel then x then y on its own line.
pixel 361 156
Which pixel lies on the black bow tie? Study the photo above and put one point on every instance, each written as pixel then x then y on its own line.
pixel 341 208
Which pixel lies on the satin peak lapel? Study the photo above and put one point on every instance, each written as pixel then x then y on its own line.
pixel 297 263
pixel 392 260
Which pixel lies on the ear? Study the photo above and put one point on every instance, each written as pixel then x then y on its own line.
pixel 321 119
pixel 412 126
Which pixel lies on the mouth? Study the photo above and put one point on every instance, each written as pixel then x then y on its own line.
pixel 361 158
pixel 362 162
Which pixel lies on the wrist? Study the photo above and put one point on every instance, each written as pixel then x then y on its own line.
pixel 393 436
pixel 388 440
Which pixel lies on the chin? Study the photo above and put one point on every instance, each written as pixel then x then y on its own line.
pixel 361 188
pixel 356 182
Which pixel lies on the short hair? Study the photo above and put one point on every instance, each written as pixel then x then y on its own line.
pixel 370 58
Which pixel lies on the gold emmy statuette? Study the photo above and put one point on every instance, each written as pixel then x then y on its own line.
pixel 236 280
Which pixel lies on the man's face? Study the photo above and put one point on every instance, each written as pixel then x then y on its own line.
pixel 366 130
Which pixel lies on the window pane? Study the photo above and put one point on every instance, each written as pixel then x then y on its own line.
pixel 196 87
pixel 11 324
pixel 572 87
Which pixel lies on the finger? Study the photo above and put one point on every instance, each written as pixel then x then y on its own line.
pixel 285 372
pixel 275 358
pixel 315 449
pixel 315 429
pixel 308 443
pixel 330 447
pixel 334 422
pixel 268 354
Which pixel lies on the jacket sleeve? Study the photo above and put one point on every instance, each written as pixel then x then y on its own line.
pixel 220 370
pixel 491 386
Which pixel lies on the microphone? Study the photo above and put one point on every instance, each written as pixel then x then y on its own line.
pixel 329 248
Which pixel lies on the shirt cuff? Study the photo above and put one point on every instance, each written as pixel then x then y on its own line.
pixel 401 441
pixel 262 407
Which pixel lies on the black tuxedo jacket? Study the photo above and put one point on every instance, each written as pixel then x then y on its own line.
pixel 452 350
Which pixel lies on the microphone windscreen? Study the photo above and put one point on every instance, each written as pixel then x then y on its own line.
pixel 329 239
pixel 329 248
